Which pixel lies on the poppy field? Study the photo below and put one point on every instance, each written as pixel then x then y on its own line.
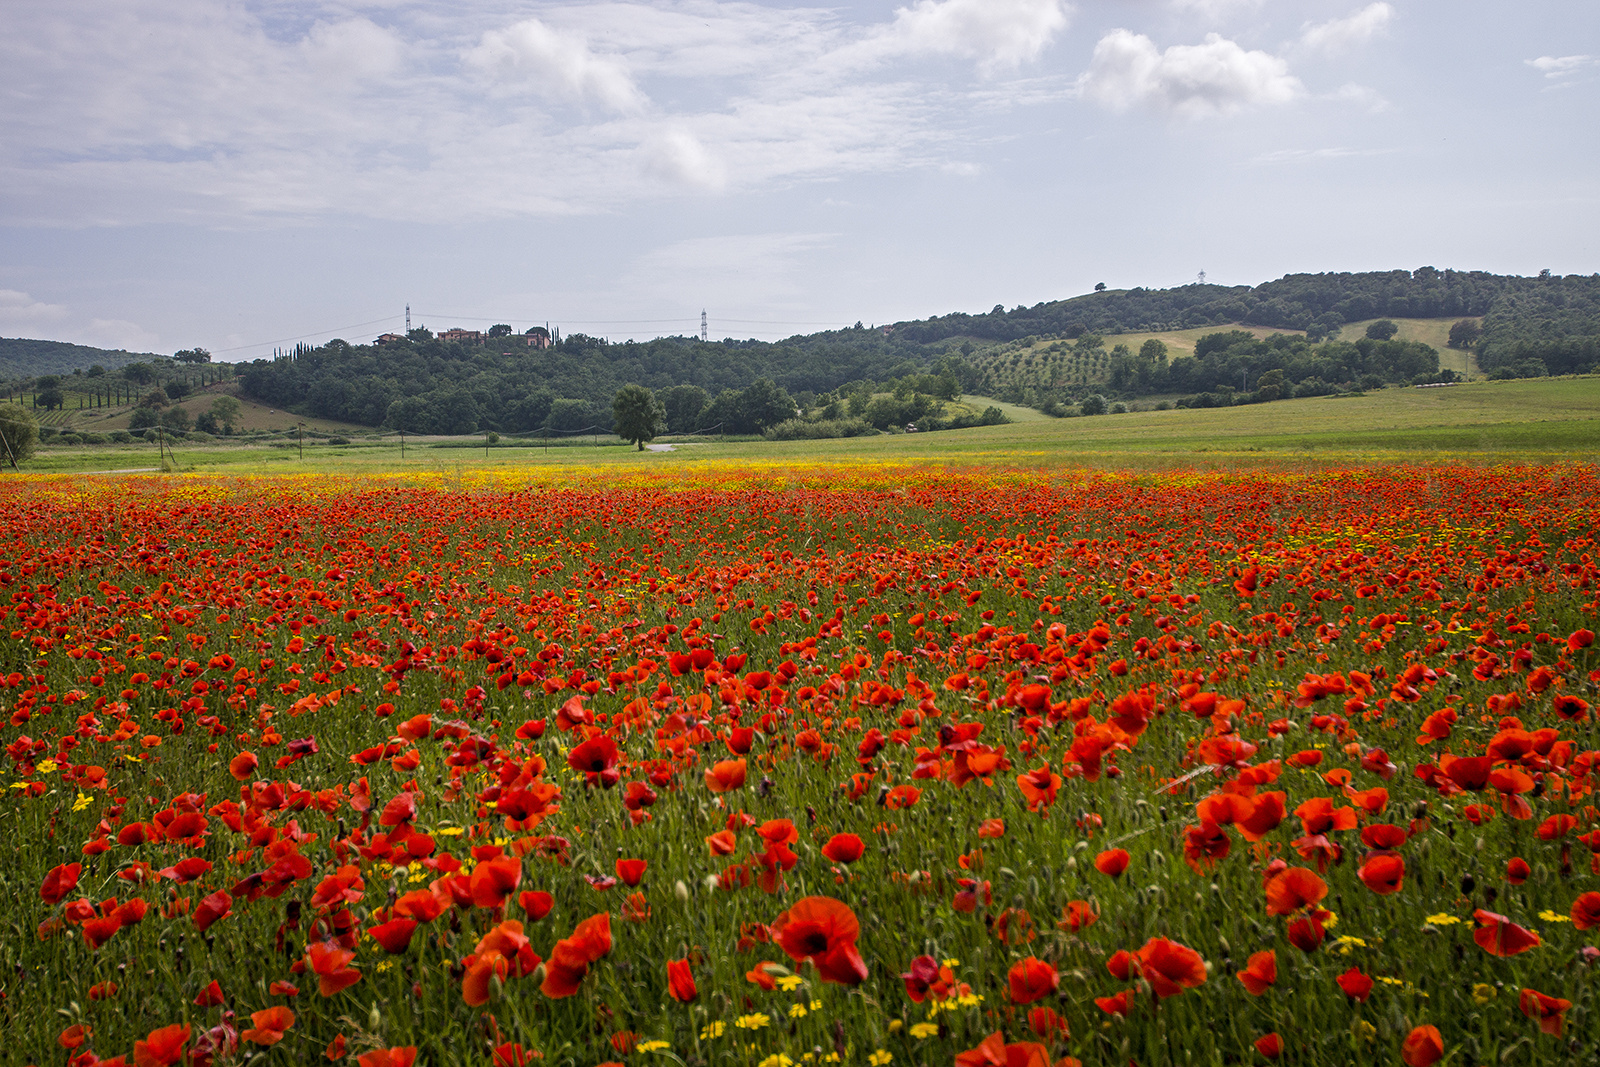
pixel 775 766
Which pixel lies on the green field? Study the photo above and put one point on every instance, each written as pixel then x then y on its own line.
pixel 1435 332
pixel 1518 421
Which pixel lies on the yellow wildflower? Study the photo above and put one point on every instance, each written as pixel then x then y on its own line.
pixel 880 1058
pixel 923 1031
pixel 752 1022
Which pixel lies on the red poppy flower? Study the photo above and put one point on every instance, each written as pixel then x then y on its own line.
pixel 1047 1024
pixel 1078 915
pixel 59 882
pixel 570 959
pixel 388 1057
pixel 843 848
pixel 243 766
pixel 1356 986
pixel 1383 836
pixel 494 880
pixel 216 906
pixel 1570 707
pixel 1204 846
pixel 1319 816
pixel 1293 889
pixel 1499 936
pixel 901 797
pixel 1468 772
pixel 394 935
pixel 270 1025
pixel 1031 979
pixel 994 1052
pixel 991 828
pixel 595 756
pixel 511 1054
pixel 1586 911
pixel 1306 932
pixel 1120 1004
pixel 1169 967
pixel 210 996
pixel 162 1047
pixel 726 775
pixel 331 966
pixel 631 871
pixel 1550 1011
pixel 1423 1047
pixel 1383 873
pixel 1112 862
pixel 1270 1046
pixel 1261 973
pixel 680 981
pixel 1039 787
pixel 823 931
pixel 1517 870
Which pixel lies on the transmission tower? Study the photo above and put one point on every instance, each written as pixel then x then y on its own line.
pixel 703 334
pixel 1202 277
pixel 408 320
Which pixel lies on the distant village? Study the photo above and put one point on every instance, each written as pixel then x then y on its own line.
pixel 538 337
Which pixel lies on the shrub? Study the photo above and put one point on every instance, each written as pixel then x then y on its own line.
pixel 801 430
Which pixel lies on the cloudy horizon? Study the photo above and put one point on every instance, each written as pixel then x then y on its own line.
pixel 239 175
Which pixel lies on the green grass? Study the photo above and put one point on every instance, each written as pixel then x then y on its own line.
pixel 1530 420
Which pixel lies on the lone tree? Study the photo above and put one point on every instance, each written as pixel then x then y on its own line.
pixel 18 434
pixel 1383 329
pixel 638 415
pixel 225 409
pixel 1465 334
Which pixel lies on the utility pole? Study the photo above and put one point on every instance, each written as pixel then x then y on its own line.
pixel 402 442
pixel 302 435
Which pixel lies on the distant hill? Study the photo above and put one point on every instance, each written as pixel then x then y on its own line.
pixel 21 357
pixel 1049 356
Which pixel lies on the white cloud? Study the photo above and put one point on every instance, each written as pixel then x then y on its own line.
pixel 997 33
pixel 532 54
pixel 1217 77
pixel 678 157
pixel 1561 66
pixel 20 311
pixel 1301 155
pixel 1214 9
pixel 354 48
pixel 23 316
pixel 116 333
pixel 1341 35
pixel 1361 96
pixel 756 270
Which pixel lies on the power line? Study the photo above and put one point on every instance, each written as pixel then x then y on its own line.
pixel 304 336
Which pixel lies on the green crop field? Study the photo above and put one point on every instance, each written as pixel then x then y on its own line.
pixel 1531 420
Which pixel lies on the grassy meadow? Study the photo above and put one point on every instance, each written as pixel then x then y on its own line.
pixel 1534 420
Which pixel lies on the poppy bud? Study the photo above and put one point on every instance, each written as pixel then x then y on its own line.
pixel 681 891
pixel 374 1017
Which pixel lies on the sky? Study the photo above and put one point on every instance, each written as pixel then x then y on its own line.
pixel 240 175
